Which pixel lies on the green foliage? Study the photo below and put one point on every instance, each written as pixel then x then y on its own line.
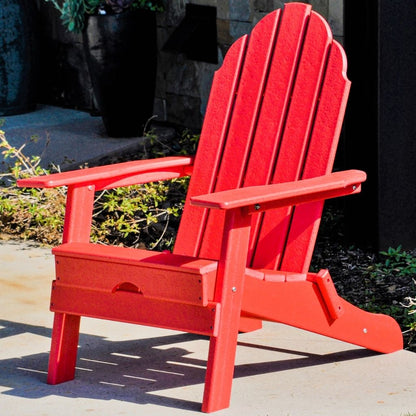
pixel 145 215
pixel 28 213
pixel 396 261
pixel 74 12
pixel 184 144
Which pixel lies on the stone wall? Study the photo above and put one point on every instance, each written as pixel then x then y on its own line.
pixel 183 84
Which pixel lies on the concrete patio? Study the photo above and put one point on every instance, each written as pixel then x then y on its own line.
pixel 124 369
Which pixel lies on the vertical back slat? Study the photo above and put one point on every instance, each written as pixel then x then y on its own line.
pixel 295 141
pixel 210 148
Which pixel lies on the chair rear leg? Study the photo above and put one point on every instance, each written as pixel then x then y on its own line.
pixel 249 324
pixel 63 355
pixel 309 305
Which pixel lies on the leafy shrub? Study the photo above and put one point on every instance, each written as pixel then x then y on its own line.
pixel 396 261
pixel 145 215
pixel 29 213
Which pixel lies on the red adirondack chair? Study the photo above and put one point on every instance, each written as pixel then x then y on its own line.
pixel 258 185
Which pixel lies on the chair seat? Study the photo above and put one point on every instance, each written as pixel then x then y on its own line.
pixel 159 275
pixel 136 286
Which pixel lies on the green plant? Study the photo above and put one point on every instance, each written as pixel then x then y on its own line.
pixel 145 215
pixel 185 143
pixel 396 261
pixel 28 213
pixel 74 12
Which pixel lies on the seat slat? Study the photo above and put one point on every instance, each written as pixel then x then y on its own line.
pixel 152 275
pixel 133 308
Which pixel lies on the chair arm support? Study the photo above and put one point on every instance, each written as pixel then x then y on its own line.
pixel 261 198
pixel 116 175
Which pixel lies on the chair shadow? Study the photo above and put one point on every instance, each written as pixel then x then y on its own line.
pixel 135 370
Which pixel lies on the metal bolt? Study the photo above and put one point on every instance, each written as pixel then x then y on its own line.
pixel 90 187
pixel 234 289
pixel 354 187
pixel 257 207
pixel 365 330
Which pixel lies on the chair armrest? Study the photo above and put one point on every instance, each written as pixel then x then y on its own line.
pixel 119 174
pixel 261 198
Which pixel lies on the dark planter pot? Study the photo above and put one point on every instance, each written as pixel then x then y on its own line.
pixel 17 57
pixel 121 55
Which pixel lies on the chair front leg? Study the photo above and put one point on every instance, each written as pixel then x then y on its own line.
pixel 228 292
pixel 65 333
pixel 64 346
